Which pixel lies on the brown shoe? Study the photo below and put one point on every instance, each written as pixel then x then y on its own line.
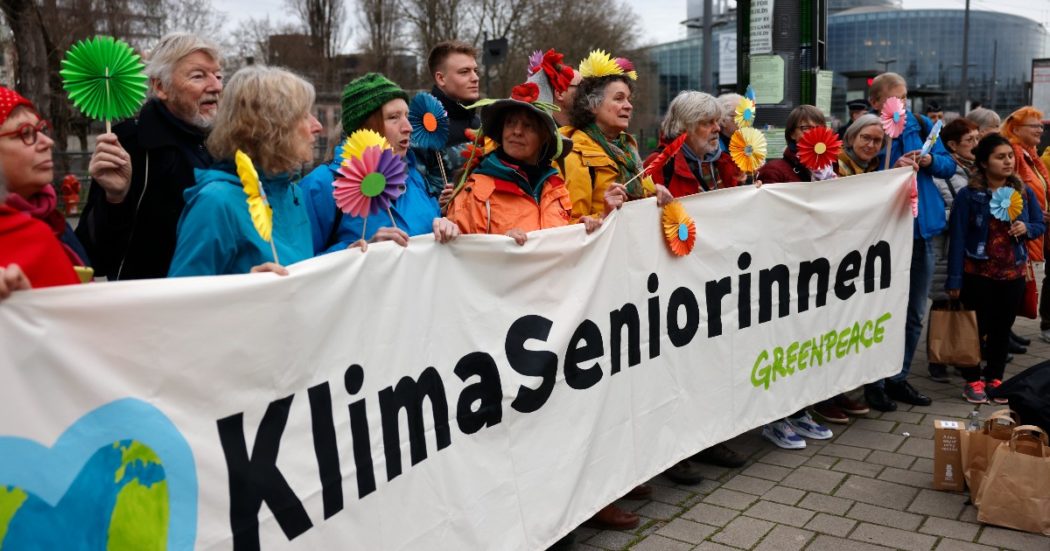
pixel 641 491
pixel 721 455
pixel 612 517
pixel 830 412
pixel 851 406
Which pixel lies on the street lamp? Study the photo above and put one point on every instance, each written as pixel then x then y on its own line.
pixel 885 63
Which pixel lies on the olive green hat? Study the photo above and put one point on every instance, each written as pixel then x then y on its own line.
pixel 364 95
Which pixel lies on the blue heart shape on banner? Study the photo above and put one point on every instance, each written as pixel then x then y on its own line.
pixel 120 475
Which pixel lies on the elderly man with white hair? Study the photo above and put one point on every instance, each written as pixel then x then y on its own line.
pixel 139 172
pixel 700 164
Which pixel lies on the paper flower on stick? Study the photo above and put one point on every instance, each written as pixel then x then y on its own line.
pixel 104 78
pixel 750 94
pixel 1006 204
pixel 745 113
pixel 893 117
pixel 748 149
pixel 819 147
pixel 369 180
pixel 600 64
pixel 429 122
pixel 679 229
pixel 935 134
pixel 258 205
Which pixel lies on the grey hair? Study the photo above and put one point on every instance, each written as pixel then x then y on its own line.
pixel 688 109
pixel 170 50
pixel 862 122
pixel 589 97
pixel 984 118
pixel 728 104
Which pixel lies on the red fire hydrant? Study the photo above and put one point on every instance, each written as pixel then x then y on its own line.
pixel 70 194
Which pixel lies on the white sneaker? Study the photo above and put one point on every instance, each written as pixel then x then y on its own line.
pixel 1045 335
pixel 780 433
pixel 807 427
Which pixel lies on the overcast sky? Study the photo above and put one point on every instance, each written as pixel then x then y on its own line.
pixel 660 18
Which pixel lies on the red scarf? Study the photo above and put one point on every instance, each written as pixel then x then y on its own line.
pixel 41 205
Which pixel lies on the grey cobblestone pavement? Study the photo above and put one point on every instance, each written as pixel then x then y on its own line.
pixel 867 489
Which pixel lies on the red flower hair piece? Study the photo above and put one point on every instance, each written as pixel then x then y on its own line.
pixel 527 92
pixel 819 147
pixel 558 73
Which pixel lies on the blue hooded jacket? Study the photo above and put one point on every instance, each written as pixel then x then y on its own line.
pixel 216 236
pixel 931 220
pixel 414 210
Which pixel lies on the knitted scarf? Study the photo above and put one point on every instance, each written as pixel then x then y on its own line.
pixel 620 151
pixel 41 205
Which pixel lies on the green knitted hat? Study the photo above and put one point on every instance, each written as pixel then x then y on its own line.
pixel 363 96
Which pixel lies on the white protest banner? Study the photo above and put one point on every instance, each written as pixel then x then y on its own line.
pixel 476 395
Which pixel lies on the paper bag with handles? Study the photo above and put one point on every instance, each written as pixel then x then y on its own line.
pixel 978 446
pixel 1015 492
pixel 953 338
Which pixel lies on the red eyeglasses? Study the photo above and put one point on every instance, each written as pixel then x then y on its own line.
pixel 27 132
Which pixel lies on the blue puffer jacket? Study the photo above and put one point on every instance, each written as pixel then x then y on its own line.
pixel 968 231
pixel 216 236
pixel 414 210
pixel 931 220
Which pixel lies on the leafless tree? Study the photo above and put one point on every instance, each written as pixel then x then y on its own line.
pixel 323 21
pixel 381 22
pixel 432 21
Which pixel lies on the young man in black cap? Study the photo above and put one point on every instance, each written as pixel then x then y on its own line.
pixel 857 107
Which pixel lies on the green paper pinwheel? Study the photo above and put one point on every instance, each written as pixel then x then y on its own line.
pixel 104 78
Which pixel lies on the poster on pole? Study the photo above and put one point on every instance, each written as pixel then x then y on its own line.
pixel 727 58
pixel 761 26
pixel 1041 85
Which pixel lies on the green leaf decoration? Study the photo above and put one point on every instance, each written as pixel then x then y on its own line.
pixel 104 78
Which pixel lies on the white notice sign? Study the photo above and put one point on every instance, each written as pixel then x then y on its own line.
pixel 761 26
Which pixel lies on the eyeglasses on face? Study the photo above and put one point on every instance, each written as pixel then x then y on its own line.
pixel 869 140
pixel 27 132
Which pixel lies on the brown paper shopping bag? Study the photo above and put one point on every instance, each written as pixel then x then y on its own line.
pixel 978 447
pixel 953 337
pixel 1015 492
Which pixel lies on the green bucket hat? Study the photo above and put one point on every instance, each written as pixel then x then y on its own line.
pixel 364 95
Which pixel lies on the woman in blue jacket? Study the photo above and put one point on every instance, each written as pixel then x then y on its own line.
pixel 374 102
pixel 987 257
pixel 265 113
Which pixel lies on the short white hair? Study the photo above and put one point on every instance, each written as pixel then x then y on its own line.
pixel 984 118
pixel 688 109
pixel 161 62
pixel 728 103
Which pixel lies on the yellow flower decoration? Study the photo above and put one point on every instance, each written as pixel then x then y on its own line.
pixel 359 141
pixel 679 229
pixel 258 206
pixel 748 149
pixel 1016 205
pixel 600 64
pixel 745 113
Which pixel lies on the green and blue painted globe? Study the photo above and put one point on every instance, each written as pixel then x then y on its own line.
pixel 118 501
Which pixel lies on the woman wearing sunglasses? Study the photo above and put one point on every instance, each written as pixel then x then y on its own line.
pixel 25 159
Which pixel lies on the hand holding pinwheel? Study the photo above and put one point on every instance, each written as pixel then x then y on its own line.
pixel 370 178
pixel 104 79
pixel 893 116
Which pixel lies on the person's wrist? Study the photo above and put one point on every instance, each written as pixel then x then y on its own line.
pixel 116 197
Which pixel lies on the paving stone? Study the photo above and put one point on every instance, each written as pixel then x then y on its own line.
pixel 822 461
pixel 956 545
pixel 950 528
pixel 876 492
pixel 779 513
pixel 891 459
pixel 863 468
pixel 787 496
pixel 915 431
pixel 917 447
pixel 1012 539
pixel 712 546
pixel 941 410
pixel 875 425
pixel 902 417
pixel 845 452
pixel 611 539
pixel 969 514
pixel 813 480
pixel 784 538
pixel 826 504
pixel 884 516
pixel 831 543
pixel 909 478
pixel 730 498
pixel 585 547
pixel 829 524
pixel 768 472
pixel 899 539
pixel 939 504
pixel 660 543
pixel 705 487
pixel 666 494
pixel 743 532
pixel 783 459
pixel 711 472
pixel 710 514
pixel 923 465
pixel 657 510
pixel 686 530
pixel 749 484
pixel 869 439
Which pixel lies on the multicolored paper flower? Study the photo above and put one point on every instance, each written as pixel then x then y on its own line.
pixel 748 149
pixel 745 113
pixel 258 205
pixel 105 78
pixel 369 181
pixel 628 67
pixel 679 229
pixel 935 134
pixel 1006 204
pixel 429 122
pixel 600 64
pixel 893 117
pixel 819 147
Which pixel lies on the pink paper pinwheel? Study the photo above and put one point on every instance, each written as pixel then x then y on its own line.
pixel 893 117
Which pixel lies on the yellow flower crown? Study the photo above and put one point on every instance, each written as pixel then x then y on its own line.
pixel 600 64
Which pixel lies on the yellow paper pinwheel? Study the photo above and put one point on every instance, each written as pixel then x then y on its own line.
pixel 359 141
pixel 258 206
pixel 745 113
pixel 748 149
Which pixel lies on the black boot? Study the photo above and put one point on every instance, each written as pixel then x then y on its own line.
pixel 877 398
pixel 939 373
pixel 904 392
pixel 1015 348
pixel 1019 339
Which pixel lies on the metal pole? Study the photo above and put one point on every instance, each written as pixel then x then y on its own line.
pixel 995 62
pixel 706 79
pixel 963 92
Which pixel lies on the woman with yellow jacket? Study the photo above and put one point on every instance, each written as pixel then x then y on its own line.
pixel 604 156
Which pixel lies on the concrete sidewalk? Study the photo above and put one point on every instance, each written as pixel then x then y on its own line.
pixel 869 488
